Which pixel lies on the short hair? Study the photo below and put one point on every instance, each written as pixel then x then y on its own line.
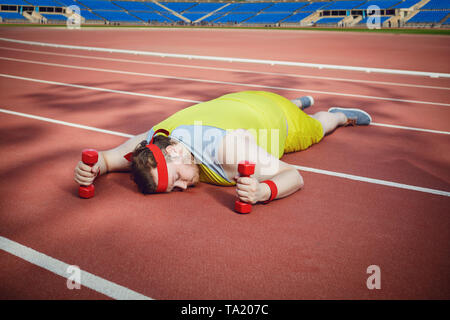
pixel 143 161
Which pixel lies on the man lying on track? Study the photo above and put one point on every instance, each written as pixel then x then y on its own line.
pixel 205 142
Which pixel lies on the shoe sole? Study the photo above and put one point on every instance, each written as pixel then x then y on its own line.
pixel 350 109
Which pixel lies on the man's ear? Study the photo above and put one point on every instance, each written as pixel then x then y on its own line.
pixel 173 150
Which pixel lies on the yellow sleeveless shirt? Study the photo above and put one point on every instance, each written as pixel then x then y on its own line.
pixel 277 124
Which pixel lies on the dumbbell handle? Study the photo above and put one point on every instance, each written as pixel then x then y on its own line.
pixel 89 157
pixel 246 169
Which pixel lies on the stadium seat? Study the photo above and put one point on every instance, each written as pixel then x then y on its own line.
pixel 437 4
pixel 11 16
pixel 428 17
pixel 268 18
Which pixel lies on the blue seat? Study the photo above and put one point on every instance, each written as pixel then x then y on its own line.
pixel 213 17
pixel 382 19
pixel 428 17
pixel 116 16
pixel 151 16
pixel 437 4
pixel 205 7
pixel 179 6
pixel 343 5
pixel 193 16
pixel 12 16
pixel 315 6
pixel 234 18
pixel 67 3
pixel 406 4
pixel 326 20
pixel 251 7
pixel 58 17
pixel 44 3
pixel 137 6
pixel 382 4
pixel 99 5
pixel 15 2
pixel 90 16
pixel 297 17
pixel 267 18
pixel 286 7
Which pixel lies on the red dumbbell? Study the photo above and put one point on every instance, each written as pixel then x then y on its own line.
pixel 89 157
pixel 246 169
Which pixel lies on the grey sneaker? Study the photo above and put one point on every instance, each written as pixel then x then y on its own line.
pixel 303 102
pixel 355 116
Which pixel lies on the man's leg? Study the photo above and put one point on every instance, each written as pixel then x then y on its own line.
pixel 336 117
pixel 303 102
pixel 330 121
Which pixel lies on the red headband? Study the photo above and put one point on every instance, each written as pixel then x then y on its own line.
pixel 161 165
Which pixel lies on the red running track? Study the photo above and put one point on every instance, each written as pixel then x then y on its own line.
pixel 316 244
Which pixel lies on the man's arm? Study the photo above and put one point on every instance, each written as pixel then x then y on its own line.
pixel 240 145
pixel 108 161
pixel 113 159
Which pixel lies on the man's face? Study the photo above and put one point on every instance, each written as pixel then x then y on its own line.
pixel 182 172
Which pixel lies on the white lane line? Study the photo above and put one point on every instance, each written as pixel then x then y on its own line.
pixel 408 128
pixel 230 59
pixel 64 123
pixel 320 171
pixel 97 88
pixel 291 75
pixel 374 181
pixel 60 268
pixel 226 82
pixel 184 100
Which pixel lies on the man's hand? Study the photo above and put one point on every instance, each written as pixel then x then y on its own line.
pixel 249 190
pixel 84 175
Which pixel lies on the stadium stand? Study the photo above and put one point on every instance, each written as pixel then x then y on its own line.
pixel 437 5
pixel 328 20
pixel 234 18
pixel 67 3
pixel 193 16
pixel 116 16
pixel 268 18
pixel 382 4
pixel 54 17
pixel 241 12
pixel 14 2
pixel 214 16
pixel 382 20
pixel 406 4
pixel 282 7
pixel 99 5
pixel 345 12
pixel 151 17
pixel 230 7
pixel 136 6
pixel 296 18
pixel 206 7
pixel 147 12
pixel 428 17
pixel 251 7
pixel 90 17
pixel 11 16
pixel 343 5
pixel 201 10
pixel 315 6
pixel 44 3
pixel 179 6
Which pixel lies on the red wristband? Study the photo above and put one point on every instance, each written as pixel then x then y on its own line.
pixel 273 190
